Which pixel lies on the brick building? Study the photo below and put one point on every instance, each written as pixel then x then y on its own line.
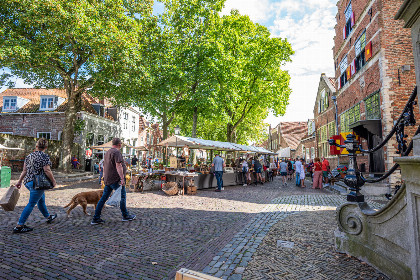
pixel 287 135
pixel 324 116
pixel 307 145
pixel 40 113
pixel 374 74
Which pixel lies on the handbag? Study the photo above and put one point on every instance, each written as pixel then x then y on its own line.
pixel 41 182
pixel 10 199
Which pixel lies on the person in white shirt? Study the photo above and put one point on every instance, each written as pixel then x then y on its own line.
pixel 302 173
pixel 245 170
pixel 298 166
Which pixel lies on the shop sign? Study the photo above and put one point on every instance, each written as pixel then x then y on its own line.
pixel 173 162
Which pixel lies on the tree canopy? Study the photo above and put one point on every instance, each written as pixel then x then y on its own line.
pixel 77 45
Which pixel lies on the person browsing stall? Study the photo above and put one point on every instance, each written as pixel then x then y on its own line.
pixel 218 164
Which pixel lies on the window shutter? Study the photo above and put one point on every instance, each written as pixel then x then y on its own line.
pixel 352 20
pixel 344 33
pixel 348 73
pixel 339 83
pixel 353 67
pixel 368 51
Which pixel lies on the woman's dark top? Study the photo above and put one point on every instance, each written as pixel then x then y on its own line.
pixel 35 163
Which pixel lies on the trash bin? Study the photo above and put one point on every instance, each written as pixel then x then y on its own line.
pixel 5 176
pixel 88 165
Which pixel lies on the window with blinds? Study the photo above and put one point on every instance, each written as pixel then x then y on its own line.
pixel 349 117
pixel 373 108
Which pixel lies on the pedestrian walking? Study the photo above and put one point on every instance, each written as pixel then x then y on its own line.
pixel 245 170
pixel 36 163
pixel 218 164
pixel 101 171
pixel 289 170
pixel 257 170
pixel 325 171
pixel 298 166
pixel 317 182
pixel 283 171
pixel 302 173
pixel 114 178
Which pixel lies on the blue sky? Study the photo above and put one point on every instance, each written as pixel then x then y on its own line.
pixel 309 27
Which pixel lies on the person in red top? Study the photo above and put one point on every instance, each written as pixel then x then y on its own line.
pixel 325 170
pixel 317 174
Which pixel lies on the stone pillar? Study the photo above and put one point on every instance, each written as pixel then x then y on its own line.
pixel 410 171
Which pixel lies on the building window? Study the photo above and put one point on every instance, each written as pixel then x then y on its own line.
pixel 343 75
pixel 372 105
pixel 59 135
pixel 331 129
pixel 9 103
pixel 134 124
pixel 47 103
pixel 46 135
pixel 349 117
pixel 323 101
pixel 89 139
pixel 350 20
pixel 359 48
pixel 100 140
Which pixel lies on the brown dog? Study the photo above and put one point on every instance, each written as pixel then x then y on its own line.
pixel 84 199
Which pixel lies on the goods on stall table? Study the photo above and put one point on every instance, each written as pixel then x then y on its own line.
pixel 170 188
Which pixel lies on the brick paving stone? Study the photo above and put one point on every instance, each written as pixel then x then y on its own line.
pixel 175 232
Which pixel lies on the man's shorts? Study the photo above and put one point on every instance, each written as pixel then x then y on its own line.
pixel 258 170
pixel 283 173
pixel 325 174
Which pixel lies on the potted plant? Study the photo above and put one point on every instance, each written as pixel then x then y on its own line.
pixel 342 171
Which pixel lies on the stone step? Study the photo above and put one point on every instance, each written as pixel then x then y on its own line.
pixel 376 189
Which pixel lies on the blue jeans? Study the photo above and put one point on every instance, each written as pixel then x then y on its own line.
pixel 297 178
pixel 105 196
pixel 219 178
pixel 36 197
pixel 101 174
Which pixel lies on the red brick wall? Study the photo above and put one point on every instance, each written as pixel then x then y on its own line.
pixel 391 48
pixel 30 125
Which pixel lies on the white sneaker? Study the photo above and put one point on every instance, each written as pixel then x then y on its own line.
pixel 245 185
pixel 223 188
pixel 326 185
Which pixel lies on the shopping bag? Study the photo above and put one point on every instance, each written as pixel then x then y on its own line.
pixel 115 199
pixel 10 199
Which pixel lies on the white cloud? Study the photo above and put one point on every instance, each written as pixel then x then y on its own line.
pixel 309 26
pixel 257 10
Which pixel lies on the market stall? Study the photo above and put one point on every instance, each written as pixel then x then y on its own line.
pixel 205 179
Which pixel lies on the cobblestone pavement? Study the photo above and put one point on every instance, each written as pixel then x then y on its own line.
pixel 169 233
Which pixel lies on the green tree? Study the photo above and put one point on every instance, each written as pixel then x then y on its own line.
pixel 77 45
pixel 247 67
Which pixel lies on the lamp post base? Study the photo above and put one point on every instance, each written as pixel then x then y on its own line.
pixel 355 197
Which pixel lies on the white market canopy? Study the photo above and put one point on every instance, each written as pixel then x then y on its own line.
pixel 108 146
pixel 284 153
pixel 197 143
pixel 8 148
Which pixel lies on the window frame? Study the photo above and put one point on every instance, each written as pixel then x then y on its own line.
pixel 49 100
pixel 370 114
pixel 9 100
pixel 41 133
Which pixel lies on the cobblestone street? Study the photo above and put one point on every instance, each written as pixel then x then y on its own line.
pixel 233 235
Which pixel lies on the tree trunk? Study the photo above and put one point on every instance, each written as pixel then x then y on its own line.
pixel 229 132
pixel 74 104
pixel 194 126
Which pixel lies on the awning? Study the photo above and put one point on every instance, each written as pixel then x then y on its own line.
pixel 8 148
pixel 364 127
pixel 140 148
pixel 284 153
pixel 196 143
pixel 108 146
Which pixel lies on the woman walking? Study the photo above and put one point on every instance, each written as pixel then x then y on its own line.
pixel 35 163
pixel 317 174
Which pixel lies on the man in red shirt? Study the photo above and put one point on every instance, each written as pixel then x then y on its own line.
pixel 325 171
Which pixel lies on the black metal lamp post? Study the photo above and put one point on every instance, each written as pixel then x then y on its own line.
pixel 334 99
pixel 353 178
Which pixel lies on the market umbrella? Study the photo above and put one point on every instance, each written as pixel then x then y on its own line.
pixel 2 147
pixel 108 145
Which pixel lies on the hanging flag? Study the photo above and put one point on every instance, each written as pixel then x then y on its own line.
pixel 353 67
pixel 339 83
pixel 348 73
pixel 344 33
pixel 368 51
pixel 352 20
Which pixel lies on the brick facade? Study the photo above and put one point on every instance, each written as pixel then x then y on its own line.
pixel 381 77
